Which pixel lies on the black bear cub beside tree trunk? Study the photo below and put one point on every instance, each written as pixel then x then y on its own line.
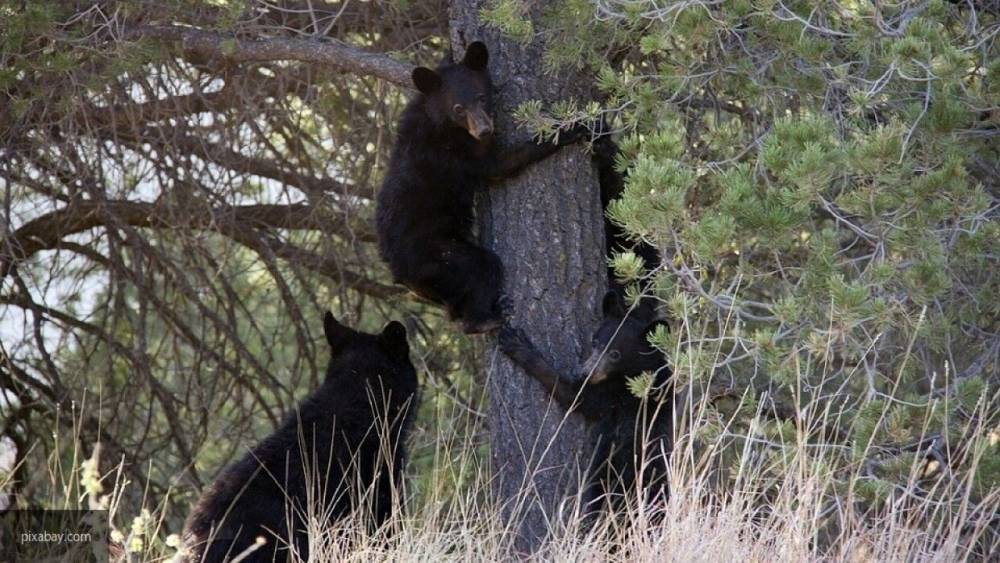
pixel 631 435
pixel 444 153
pixel 342 450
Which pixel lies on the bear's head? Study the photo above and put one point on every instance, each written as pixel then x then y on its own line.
pixel 620 347
pixel 385 356
pixel 460 94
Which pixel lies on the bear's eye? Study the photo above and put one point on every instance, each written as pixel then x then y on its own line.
pixel 615 355
pixel 481 97
pixel 458 109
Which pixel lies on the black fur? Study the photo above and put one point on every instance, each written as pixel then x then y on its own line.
pixel 622 333
pixel 335 434
pixel 625 429
pixel 612 186
pixel 444 153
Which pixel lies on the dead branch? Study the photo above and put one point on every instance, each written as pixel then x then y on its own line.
pixel 327 52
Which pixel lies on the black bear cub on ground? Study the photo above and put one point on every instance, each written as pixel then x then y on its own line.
pixel 347 436
pixel 444 153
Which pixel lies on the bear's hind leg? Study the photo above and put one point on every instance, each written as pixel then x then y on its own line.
pixel 484 306
pixel 431 282
pixel 466 280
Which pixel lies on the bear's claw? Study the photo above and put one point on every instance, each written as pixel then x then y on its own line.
pixel 505 305
pixel 513 340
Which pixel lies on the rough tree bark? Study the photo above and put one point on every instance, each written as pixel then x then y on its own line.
pixel 546 226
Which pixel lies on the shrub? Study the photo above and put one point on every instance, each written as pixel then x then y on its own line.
pixel 821 181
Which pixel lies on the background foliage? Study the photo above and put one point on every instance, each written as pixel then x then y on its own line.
pixel 175 224
pixel 821 179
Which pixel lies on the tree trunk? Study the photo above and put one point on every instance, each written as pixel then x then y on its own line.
pixel 546 226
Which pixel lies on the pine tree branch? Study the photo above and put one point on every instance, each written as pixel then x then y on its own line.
pixel 985 359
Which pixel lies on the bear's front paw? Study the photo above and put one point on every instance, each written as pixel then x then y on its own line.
pixel 605 149
pixel 574 134
pixel 514 341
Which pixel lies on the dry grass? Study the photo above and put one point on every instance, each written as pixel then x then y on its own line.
pixel 794 501
pixel 787 524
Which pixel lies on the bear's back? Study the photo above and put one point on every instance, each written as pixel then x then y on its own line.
pixel 428 192
pixel 327 445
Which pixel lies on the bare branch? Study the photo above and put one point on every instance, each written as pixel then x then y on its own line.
pixel 238 50
pixel 237 222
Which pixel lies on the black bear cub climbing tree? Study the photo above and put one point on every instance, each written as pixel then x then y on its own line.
pixel 444 154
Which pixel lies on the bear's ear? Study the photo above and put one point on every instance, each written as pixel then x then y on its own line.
pixel 426 80
pixel 613 305
pixel 337 335
pixel 394 339
pixel 476 56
